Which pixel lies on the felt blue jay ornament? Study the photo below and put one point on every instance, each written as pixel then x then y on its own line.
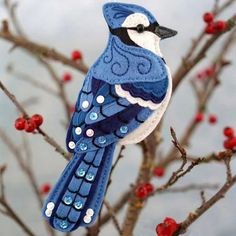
pixel 123 98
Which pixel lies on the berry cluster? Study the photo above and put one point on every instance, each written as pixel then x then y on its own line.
pixel 214 27
pixel 208 72
pixel 45 188
pixel 29 125
pixel 144 190
pixel 167 228
pixel 199 117
pixel 230 142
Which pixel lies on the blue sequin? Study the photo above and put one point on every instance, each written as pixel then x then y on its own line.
pixel 67 200
pixel 93 116
pixel 83 146
pixel 78 205
pixel 80 173
pixel 90 176
pixel 64 224
pixel 102 140
pixel 124 129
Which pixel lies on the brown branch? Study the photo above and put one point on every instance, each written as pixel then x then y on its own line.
pixel 8 210
pixel 117 207
pixel 113 216
pixel 182 71
pixel 203 98
pixel 62 94
pixel 35 83
pixel 192 217
pixel 47 138
pixel 217 10
pixel 42 50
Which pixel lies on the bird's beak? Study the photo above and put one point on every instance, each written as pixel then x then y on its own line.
pixel 164 32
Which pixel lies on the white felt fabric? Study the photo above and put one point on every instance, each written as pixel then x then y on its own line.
pixel 136 19
pixel 146 39
pixel 126 94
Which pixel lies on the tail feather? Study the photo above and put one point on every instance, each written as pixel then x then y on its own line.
pixel 77 197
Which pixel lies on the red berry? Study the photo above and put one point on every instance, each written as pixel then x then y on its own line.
pixel 67 77
pixel 38 119
pixel 45 188
pixel 199 117
pixel 20 123
pixel 210 71
pixel 30 126
pixel 212 119
pixel 141 192
pixel 220 25
pixel 72 108
pixel 76 55
pixel 159 171
pixel 167 228
pixel 232 143
pixel 229 132
pixel 210 29
pixel 208 17
pixel 227 144
pixel 149 187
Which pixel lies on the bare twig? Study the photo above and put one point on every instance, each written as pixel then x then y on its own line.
pixel 113 216
pixel 42 50
pixel 47 138
pixel 192 217
pixel 35 83
pixel 8 210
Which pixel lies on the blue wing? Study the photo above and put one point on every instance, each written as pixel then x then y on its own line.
pixel 102 117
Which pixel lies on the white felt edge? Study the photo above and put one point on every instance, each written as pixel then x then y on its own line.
pixel 134 100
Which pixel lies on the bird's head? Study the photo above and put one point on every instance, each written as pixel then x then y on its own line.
pixel 135 26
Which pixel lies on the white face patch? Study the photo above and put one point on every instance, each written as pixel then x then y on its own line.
pixel 147 39
pixel 136 19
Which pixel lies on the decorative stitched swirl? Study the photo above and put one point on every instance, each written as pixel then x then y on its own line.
pixel 119 67
pixel 121 63
pixel 121 59
pixel 144 64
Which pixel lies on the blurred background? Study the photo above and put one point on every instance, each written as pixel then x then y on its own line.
pixel 72 24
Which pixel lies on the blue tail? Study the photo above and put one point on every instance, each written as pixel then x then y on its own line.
pixel 78 195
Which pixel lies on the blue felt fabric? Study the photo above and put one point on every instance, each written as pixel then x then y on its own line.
pixel 116 13
pixel 148 91
pixel 83 182
pixel 121 63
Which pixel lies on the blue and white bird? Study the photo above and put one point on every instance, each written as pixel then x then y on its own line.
pixel 123 98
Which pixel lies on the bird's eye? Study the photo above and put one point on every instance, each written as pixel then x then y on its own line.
pixel 140 28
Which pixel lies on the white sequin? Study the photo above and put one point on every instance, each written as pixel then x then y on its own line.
pixel 78 130
pixel 48 212
pixel 85 104
pixel 50 205
pixel 90 212
pixel 100 99
pixel 90 133
pixel 71 145
pixel 87 219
